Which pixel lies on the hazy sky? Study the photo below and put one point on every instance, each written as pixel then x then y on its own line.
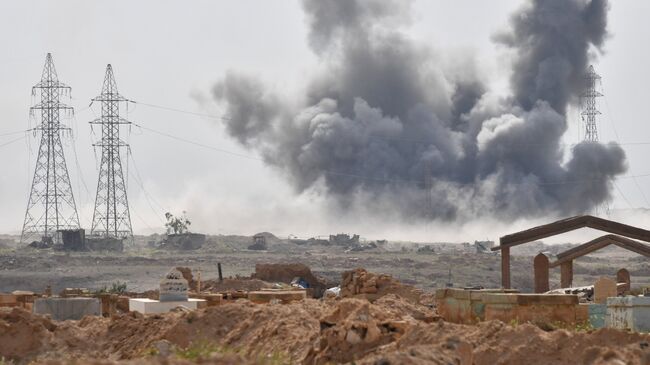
pixel 169 53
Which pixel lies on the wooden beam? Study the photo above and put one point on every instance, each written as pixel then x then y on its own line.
pixel 598 244
pixel 505 267
pixel 566 274
pixel 634 246
pixel 571 224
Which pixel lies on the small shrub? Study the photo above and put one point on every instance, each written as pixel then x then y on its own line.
pixel 199 350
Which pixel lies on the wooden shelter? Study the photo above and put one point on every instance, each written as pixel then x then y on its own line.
pixel 565 259
pixel 567 225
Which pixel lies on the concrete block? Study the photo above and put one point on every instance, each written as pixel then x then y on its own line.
pixel 632 313
pixel 62 309
pixel 531 307
pixel 150 306
pixel 597 313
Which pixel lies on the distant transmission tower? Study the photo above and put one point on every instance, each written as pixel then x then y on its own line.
pixel 111 217
pixel 589 113
pixel 51 205
pixel 588 105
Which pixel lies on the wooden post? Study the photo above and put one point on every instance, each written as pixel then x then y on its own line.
pixel 540 270
pixel 505 267
pixel 566 274
pixel 219 268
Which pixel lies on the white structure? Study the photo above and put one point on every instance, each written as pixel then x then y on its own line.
pixel 150 306
pixel 173 293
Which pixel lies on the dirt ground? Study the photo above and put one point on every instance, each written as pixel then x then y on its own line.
pixel 141 268
pixel 390 330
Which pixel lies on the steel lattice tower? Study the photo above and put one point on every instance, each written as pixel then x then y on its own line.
pixel 111 217
pixel 588 105
pixel 51 205
pixel 589 113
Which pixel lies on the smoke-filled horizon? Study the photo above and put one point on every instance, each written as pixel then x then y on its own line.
pixel 386 126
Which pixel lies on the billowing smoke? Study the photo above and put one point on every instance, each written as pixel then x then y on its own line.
pixel 384 125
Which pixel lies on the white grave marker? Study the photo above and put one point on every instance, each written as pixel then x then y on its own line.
pixel 173 288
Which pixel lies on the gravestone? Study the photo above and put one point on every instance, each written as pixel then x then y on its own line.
pixel 623 276
pixel 173 288
pixel 604 288
pixel 540 268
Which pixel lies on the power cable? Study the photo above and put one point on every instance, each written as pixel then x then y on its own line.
pixel 181 111
pixel 12 141
pixel 148 197
pixel 611 121
pixel 197 143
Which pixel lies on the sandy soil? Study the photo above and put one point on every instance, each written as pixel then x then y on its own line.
pixel 390 330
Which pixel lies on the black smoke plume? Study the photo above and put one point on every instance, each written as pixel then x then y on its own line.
pixel 383 125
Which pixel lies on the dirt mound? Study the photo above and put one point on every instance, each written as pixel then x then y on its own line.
pixel 287 272
pixel 187 275
pixel 21 334
pixel 390 330
pixel 497 343
pixel 360 283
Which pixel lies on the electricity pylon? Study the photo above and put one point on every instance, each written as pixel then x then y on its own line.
pixel 589 113
pixel 51 205
pixel 588 105
pixel 111 217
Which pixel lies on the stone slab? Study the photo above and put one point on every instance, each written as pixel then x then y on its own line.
pixel 531 299
pixel 62 309
pixel 630 313
pixel 284 296
pixel 211 299
pixel 604 288
pixel 174 287
pixel 150 306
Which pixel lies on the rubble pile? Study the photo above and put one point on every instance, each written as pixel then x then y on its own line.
pixel 355 327
pixel 360 283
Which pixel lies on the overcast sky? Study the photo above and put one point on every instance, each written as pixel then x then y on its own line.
pixel 169 53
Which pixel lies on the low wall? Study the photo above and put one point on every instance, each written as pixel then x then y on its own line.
pixel 628 313
pixel 463 306
pixel 531 307
pixel 62 309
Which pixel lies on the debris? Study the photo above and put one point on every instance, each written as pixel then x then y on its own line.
pixel 360 283
pixel 285 273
